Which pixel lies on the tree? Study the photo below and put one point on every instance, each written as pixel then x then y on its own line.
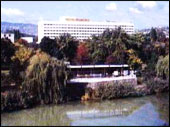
pixel 22 42
pixel 133 59
pixel 99 56
pixel 153 35
pixel 63 47
pixel 162 67
pixel 17 34
pixel 45 79
pixel 67 46
pixel 20 61
pixel 120 49
pixel 82 54
pixel 7 51
pixel 49 46
pixel 111 60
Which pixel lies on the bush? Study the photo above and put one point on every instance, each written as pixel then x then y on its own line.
pixel 157 85
pixel 11 100
pixel 111 90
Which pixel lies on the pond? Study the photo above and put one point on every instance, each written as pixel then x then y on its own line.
pixel 150 110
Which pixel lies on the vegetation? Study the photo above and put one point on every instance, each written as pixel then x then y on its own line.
pixel 45 79
pixel 153 34
pixel 63 47
pixel 20 61
pixel 41 75
pixel 162 66
pixel 82 54
pixel 7 51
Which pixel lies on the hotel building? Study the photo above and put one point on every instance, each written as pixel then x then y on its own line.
pixel 79 28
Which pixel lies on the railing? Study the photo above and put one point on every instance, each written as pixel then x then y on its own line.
pixel 97 113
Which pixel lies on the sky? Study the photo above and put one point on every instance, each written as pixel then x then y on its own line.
pixel 144 14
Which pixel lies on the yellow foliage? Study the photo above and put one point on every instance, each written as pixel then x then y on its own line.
pixel 130 51
pixel 23 54
pixel 133 59
pixel 39 57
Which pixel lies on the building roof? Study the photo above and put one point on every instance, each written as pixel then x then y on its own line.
pixel 96 66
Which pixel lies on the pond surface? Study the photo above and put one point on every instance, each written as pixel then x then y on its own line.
pixel 149 110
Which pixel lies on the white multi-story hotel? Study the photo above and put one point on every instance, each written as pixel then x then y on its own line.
pixel 79 28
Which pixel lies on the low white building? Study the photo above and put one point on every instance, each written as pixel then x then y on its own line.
pixel 79 28
pixel 8 35
pixel 28 39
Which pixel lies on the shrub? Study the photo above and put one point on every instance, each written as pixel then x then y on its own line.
pixel 110 90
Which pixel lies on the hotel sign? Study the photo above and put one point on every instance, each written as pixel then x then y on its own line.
pixel 72 19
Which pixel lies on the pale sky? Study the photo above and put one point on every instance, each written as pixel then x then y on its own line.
pixel 144 14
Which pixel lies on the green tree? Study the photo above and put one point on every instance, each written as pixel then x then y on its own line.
pixel 49 46
pixel 7 51
pixel 153 35
pixel 67 46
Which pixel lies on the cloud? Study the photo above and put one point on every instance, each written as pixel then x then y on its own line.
pixel 11 12
pixel 111 7
pixel 135 10
pixel 147 4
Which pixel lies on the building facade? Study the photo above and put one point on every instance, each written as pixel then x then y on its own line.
pixel 8 35
pixel 79 28
pixel 28 39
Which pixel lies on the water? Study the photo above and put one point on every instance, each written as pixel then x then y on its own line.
pixel 149 110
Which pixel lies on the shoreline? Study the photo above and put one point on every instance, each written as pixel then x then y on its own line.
pixel 13 100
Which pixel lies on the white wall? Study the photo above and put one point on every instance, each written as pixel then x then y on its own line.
pixel 78 29
pixel 28 39
pixel 8 35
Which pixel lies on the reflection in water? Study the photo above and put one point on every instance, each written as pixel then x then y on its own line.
pixel 149 110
